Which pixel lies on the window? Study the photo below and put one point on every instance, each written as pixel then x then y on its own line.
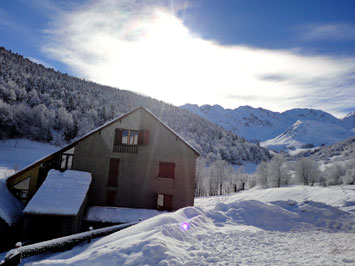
pixel 166 169
pixel 164 202
pixel 66 160
pixel 127 140
pixel 129 137
pixel 21 189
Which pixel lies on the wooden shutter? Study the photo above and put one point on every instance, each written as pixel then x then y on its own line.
pixel 143 137
pixel 118 136
pixel 113 172
pixel 168 202
pixel 166 169
pixel 111 197
pixel 146 137
pixel 162 169
pixel 171 170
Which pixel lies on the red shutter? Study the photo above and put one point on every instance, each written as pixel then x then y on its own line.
pixel 171 170
pixel 143 137
pixel 168 202
pixel 111 197
pixel 113 172
pixel 146 137
pixel 166 169
pixel 140 137
pixel 118 136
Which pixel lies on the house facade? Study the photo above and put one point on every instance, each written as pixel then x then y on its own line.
pixel 135 161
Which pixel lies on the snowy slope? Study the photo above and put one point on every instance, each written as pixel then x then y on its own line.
pixel 349 120
pixel 308 133
pixel 19 153
pixel 248 122
pixel 341 151
pixel 281 129
pixel 286 226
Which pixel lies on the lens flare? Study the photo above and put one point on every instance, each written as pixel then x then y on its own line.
pixel 185 226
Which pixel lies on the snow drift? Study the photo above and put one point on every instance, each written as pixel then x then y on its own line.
pixel 279 228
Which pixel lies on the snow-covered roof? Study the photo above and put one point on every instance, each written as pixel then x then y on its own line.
pixel 10 207
pixel 62 193
pixel 118 215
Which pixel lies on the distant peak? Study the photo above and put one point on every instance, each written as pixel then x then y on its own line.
pixel 350 114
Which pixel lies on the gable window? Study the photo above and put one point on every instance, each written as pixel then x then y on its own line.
pixel 166 169
pixel 66 160
pixel 20 190
pixel 129 137
pixel 127 140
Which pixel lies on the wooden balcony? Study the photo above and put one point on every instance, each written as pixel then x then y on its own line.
pixel 125 148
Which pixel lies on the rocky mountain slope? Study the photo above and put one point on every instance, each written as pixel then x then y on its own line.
pixel 338 152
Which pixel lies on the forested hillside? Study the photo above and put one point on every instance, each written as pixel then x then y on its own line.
pixel 45 105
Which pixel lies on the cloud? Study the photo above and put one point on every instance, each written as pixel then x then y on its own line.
pixel 147 49
pixel 328 32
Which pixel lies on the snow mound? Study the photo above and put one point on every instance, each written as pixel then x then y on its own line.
pixel 233 231
pixel 283 216
pixel 118 215
pixel 10 207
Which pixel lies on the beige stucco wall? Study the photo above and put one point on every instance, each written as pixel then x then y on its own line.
pixel 138 181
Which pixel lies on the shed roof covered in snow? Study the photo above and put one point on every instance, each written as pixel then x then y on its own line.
pixel 62 193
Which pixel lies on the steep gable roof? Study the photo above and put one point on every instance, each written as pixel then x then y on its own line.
pixel 11 178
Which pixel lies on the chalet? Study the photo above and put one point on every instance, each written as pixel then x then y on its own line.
pixel 135 161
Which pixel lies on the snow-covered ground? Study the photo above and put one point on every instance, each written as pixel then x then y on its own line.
pixel 15 154
pixel 281 226
pixel 118 215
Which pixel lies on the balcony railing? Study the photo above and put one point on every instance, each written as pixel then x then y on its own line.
pixel 125 148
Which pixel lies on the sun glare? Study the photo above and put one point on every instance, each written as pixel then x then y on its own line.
pixel 150 51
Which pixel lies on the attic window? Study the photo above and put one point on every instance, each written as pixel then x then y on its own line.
pixel 129 137
pixel 127 140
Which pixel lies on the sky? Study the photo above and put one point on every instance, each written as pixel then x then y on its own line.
pixel 276 54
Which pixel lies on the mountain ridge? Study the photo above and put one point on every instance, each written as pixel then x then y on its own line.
pixel 271 128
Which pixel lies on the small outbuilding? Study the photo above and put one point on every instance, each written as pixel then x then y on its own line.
pixel 58 206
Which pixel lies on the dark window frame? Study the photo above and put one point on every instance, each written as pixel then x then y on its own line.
pixel 68 158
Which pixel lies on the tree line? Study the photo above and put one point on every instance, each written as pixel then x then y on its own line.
pixel 221 178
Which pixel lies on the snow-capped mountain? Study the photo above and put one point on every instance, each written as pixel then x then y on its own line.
pixel 349 121
pixel 294 128
pixel 306 134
